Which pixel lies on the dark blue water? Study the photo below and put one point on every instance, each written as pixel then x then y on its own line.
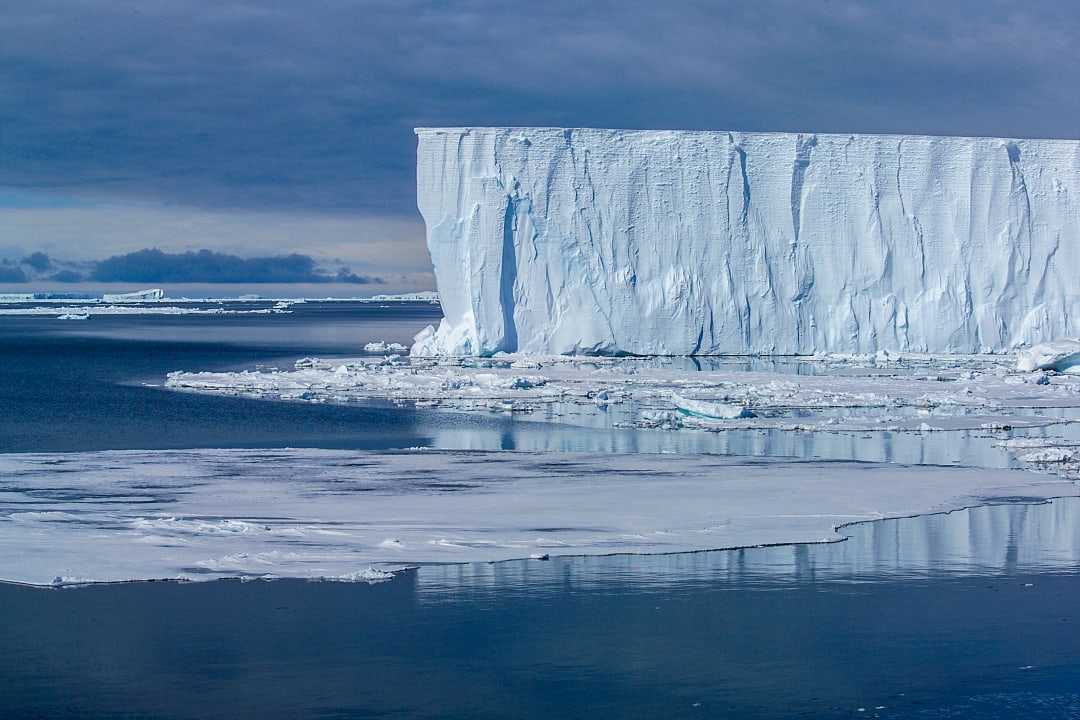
pixel 67 386
pixel 911 618
pixel 894 623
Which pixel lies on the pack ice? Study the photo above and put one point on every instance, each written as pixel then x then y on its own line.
pixel 558 241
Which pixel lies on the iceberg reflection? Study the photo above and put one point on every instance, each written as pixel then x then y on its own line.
pixel 996 539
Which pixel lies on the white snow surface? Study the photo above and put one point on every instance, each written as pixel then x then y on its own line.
pixel 428 296
pixel 567 241
pixel 381 346
pixel 152 295
pixel 82 312
pixel 876 392
pixel 81 517
pixel 1060 356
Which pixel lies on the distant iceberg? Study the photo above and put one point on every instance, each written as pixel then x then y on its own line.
pixel 559 241
pixel 138 296
pixel 428 296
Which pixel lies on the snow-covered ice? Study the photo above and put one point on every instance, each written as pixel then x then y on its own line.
pixel 973 410
pixel 152 295
pixel 426 296
pixel 111 516
pixel 1061 355
pixel 77 312
pixel 554 241
pixel 873 392
pixel 382 346
pixel 711 409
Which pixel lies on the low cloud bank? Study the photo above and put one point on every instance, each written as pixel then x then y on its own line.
pixel 11 273
pixel 202 266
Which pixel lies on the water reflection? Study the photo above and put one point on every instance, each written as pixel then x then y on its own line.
pixel 992 540
pixel 975 448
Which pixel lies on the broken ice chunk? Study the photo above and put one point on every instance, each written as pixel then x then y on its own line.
pixel 384 347
pixel 1060 355
pixel 708 409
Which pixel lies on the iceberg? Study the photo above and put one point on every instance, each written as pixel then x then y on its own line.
pixel 1060 355
pixel 381 346
pixel 425 296
pixel 152 295
pixel 588 241
pixel 711 410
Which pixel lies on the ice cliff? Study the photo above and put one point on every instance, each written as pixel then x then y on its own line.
pixel 549 240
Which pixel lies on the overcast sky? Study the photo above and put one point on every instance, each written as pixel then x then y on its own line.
pixel 274 127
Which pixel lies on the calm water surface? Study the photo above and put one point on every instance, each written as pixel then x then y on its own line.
pixel 83 385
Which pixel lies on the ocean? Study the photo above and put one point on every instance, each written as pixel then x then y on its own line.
pixel 969 614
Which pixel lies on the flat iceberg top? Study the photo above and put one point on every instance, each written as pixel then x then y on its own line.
pixel 592 241
pixel 639 133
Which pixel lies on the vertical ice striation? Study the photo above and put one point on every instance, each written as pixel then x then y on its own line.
pixel 551 240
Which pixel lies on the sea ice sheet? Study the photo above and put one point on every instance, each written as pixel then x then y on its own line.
pixel 876 392
pixel 564 241
pixel 86 310
pixel 110 516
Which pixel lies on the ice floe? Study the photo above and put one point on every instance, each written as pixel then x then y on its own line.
pixel 83 311
pixel 850 392
pixel 1061 356
pixel 74 518
pixel 385 347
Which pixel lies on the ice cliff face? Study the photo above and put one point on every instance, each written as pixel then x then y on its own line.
pixel 605 241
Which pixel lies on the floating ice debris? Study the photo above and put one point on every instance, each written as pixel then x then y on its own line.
pixel 369 575
pixel 149 309
pixel 385 347
pixel 705 409
pixel 426 296
pixel 635 391
pixel 70 581
pixel 1060 355
pixel 73 316
pixel 310 363
pixel 1050 455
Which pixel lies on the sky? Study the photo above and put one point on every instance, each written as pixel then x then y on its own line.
pixel 268 128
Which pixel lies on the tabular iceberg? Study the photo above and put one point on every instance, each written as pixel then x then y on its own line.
pixel 558 241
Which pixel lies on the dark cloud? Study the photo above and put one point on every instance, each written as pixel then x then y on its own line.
pixel 205 266
pixel 275 103
pixel 11 274
pixel 67 276
pixel 38 261
pixel 345 275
